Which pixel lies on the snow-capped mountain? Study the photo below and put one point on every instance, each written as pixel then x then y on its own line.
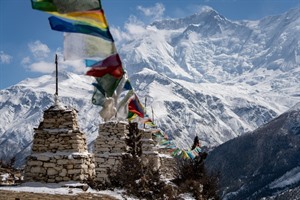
pixel 180 111
pixel 242 72
pixel 203 75
pixel 262 163
pixel 207 47
pixel 184 109
pixel 22 107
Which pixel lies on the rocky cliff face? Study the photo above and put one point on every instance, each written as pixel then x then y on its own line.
pixel 261 163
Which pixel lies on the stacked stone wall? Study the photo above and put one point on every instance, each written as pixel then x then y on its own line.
pixel 53 168
pixel 51 140
pixel 167 164
pixel 59 150
pixel 110 146
pixel 149 150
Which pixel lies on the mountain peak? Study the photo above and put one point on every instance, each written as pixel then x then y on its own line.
pixel 206 10
pixel 205 14
pixel 63 75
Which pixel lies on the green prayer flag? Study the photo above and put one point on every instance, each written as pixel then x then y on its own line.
pixel 65 6
pixel 98 96
pixel 108 83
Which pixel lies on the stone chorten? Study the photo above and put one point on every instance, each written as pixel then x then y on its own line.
pixel 110 146
pixel 59 149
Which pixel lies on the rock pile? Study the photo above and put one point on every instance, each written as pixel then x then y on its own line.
pixel 59 150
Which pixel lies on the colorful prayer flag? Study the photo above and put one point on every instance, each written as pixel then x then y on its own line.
pixel 149 122
pixel 127 85
pixel 136 107
pixel 171 146
pixel 166 136
pixel 185 155
pixel 111 65
pixel 89 63
pixel 164 142
pixel 95 18
pixel 131 116
pixel 58 24
pixel 105 87
pixel 82 46
pixel 176 152
pixel 108 83
pixel 197 150
pixel 98 97
pixel 190 154
pixel 65 6
pixel 124 102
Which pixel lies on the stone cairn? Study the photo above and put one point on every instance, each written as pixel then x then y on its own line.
pixel 59 149
pixel 161 158
pixel 110 146
pixel 167 163
pixel 149 151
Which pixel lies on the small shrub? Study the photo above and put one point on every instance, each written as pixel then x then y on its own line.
pixel 96 185
pixel 141 181
pixel 191 177
pixel 128 171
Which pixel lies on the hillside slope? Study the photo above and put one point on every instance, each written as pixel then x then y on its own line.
pixel 260 163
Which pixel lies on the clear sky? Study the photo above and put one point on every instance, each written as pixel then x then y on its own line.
pixel 28 45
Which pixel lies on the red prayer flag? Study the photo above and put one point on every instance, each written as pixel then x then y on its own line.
pixel 136 107
pixel 111 65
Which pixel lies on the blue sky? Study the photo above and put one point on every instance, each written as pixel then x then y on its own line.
pixel 28 45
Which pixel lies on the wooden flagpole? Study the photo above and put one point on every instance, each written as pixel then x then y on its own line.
pixel 56 75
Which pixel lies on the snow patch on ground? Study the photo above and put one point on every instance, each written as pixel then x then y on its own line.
pixel 65 188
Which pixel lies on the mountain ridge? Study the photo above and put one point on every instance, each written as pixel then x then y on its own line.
pixel 243 47
pixel 265 162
